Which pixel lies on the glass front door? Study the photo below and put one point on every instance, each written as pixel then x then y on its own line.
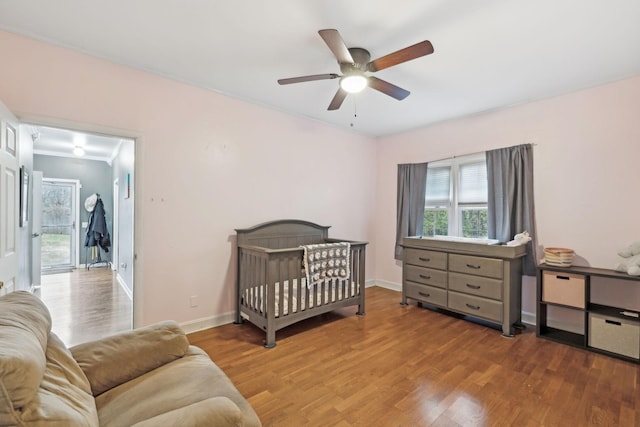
pixel 59 239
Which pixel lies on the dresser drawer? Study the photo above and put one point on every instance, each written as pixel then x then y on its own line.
pixel 479 266
pixel 476 306
pixel 476 285
pixel 427 294
pixel 426 276
pixel 424 258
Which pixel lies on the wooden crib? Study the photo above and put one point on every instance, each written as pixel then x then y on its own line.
pixel 271 286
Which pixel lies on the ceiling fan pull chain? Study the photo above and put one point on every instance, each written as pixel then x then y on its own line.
pixel 355 111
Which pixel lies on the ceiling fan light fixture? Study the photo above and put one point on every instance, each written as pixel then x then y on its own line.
pixel 78 151
pixel 353 83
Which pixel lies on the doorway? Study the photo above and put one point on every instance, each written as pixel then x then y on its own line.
pixel 77 169
pixel 59 219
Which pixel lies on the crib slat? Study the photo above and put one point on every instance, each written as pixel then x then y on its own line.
pixel 297 265
pixel 290 288
pixel 280 293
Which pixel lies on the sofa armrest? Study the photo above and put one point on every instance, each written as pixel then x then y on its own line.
pixel 114 360
pixel 217 411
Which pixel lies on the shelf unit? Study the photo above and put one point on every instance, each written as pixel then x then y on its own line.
pixel 610 327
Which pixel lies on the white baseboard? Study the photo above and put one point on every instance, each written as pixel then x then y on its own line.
pixel 124 286
pixel 529 318
pixel 388 285
pixel 223 319
pixel 207 322
pixel 369 283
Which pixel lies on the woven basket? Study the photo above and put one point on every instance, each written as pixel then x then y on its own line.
pixel 559 257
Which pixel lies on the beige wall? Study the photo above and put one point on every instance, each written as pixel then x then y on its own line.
pixel 206 164
pixel 586 171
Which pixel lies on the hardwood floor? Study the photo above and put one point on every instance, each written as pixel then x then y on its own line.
pixel 86 304
pixel 410 366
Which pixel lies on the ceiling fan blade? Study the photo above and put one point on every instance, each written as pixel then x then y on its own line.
pixel 387 88
pixel 337 100
pixel 400 56
pixel 333 39
pixel 307 78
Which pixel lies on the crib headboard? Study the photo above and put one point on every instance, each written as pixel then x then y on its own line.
pixel 282 234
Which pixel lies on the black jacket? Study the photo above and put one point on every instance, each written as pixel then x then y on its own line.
pixel 97 233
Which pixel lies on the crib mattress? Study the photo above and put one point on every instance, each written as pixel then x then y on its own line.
pixel 332 293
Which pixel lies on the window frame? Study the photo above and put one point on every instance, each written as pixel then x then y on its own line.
pixel 453 206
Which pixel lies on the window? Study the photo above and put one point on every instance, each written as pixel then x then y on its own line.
pixel 456 197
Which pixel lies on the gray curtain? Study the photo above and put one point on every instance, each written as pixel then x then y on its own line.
pixel 510 208
pixel 412 184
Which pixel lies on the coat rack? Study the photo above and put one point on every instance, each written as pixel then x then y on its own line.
pixel 97 259
pixel 97 236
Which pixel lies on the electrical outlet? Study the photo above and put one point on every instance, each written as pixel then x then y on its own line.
pixel 194 300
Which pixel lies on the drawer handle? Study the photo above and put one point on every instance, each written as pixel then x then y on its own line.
pixel 424 259
pixel 422 276
pixel 469 285
pixel 424 294
pixel 613 322
pixel 563 277
pixel 473 266
pixel 474 307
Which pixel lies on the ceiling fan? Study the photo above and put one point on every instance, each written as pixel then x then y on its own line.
pixel 355 62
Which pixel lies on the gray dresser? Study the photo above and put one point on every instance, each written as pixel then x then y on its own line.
pixel 483 281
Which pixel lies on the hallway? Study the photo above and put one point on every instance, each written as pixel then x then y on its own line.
pixel 86 304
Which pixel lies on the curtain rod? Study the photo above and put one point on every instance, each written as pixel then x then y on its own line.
pixel 533 144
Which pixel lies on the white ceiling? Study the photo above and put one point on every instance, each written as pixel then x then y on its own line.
pixel 488 54
pixel 50 141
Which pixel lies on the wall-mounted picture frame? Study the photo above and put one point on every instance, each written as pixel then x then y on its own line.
pixel 24 196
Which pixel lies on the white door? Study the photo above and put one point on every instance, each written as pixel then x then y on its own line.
pixel 36 229
pixel 60 215
pixel 9 200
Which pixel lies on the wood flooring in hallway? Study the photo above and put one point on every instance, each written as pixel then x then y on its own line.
pixel 86 304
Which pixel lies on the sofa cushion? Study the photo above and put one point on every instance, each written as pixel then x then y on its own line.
pixel 114 360
pixel 25 324
pixel 180 383
pixel 64 397
pixel 215 411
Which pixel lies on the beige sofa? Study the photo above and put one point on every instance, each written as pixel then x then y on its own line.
pixel 147 377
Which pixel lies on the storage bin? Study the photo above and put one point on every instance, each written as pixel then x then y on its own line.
pixel 563 288
pixel 614 334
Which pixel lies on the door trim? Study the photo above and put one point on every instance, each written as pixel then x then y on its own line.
pixel 115 249
pixel 75 205
pixel 138 192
